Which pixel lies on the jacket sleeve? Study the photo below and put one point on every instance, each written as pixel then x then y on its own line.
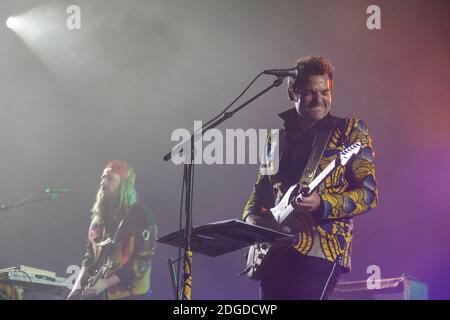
pixel 361 194
pixel 260 198
pixel 140 260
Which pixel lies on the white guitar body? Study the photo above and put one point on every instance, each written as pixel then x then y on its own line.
pixel 284 208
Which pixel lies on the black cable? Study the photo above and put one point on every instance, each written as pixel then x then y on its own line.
pixel 328 280
pixel 231 104
pixel 31 283
pixel 325 288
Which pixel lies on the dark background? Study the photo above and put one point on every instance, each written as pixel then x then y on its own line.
pixel 116 89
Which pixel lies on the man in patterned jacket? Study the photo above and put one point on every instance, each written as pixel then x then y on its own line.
pixel 322 222
pixel 117 216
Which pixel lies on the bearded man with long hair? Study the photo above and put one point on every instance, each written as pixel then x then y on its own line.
pixel 121 241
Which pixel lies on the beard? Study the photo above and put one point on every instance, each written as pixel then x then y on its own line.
pixel 106 204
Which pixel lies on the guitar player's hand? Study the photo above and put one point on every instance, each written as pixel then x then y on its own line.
pixel 307 204
pixel 100 286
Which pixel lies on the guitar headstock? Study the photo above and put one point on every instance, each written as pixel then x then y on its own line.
pixel 347 153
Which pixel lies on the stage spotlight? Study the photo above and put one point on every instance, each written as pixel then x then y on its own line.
pixel 12 23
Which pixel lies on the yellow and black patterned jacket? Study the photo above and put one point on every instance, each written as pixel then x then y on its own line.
pixel 131 255
pixel 347 192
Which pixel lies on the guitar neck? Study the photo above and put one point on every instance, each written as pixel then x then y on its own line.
pixel 317 180
pixel 282 215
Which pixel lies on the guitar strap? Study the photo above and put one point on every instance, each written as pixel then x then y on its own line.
pixel 107 250
pixel 320 142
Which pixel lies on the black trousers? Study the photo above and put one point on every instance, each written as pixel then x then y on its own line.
pixel 289 275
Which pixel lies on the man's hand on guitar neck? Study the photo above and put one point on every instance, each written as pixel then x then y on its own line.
pixel 307 204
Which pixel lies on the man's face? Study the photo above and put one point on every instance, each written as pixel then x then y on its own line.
pixel 313 97
pixel 110 183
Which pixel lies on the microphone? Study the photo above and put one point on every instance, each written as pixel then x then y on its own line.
pixel 293 72
pixel 56 190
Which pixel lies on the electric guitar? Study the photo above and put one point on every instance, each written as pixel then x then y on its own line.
pixel 101 272
pixel 258 253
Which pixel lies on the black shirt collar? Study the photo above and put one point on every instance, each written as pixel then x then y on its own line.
pixel 291 118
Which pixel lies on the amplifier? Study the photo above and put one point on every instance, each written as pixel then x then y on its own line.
pixel 402 288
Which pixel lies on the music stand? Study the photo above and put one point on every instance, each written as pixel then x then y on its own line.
pixel 218 238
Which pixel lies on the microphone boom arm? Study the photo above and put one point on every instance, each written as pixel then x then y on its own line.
pixel 24 201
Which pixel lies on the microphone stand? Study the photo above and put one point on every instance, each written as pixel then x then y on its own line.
pixel 188 181
pixel 50 196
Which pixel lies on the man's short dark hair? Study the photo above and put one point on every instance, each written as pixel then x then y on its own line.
pixel 310 66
